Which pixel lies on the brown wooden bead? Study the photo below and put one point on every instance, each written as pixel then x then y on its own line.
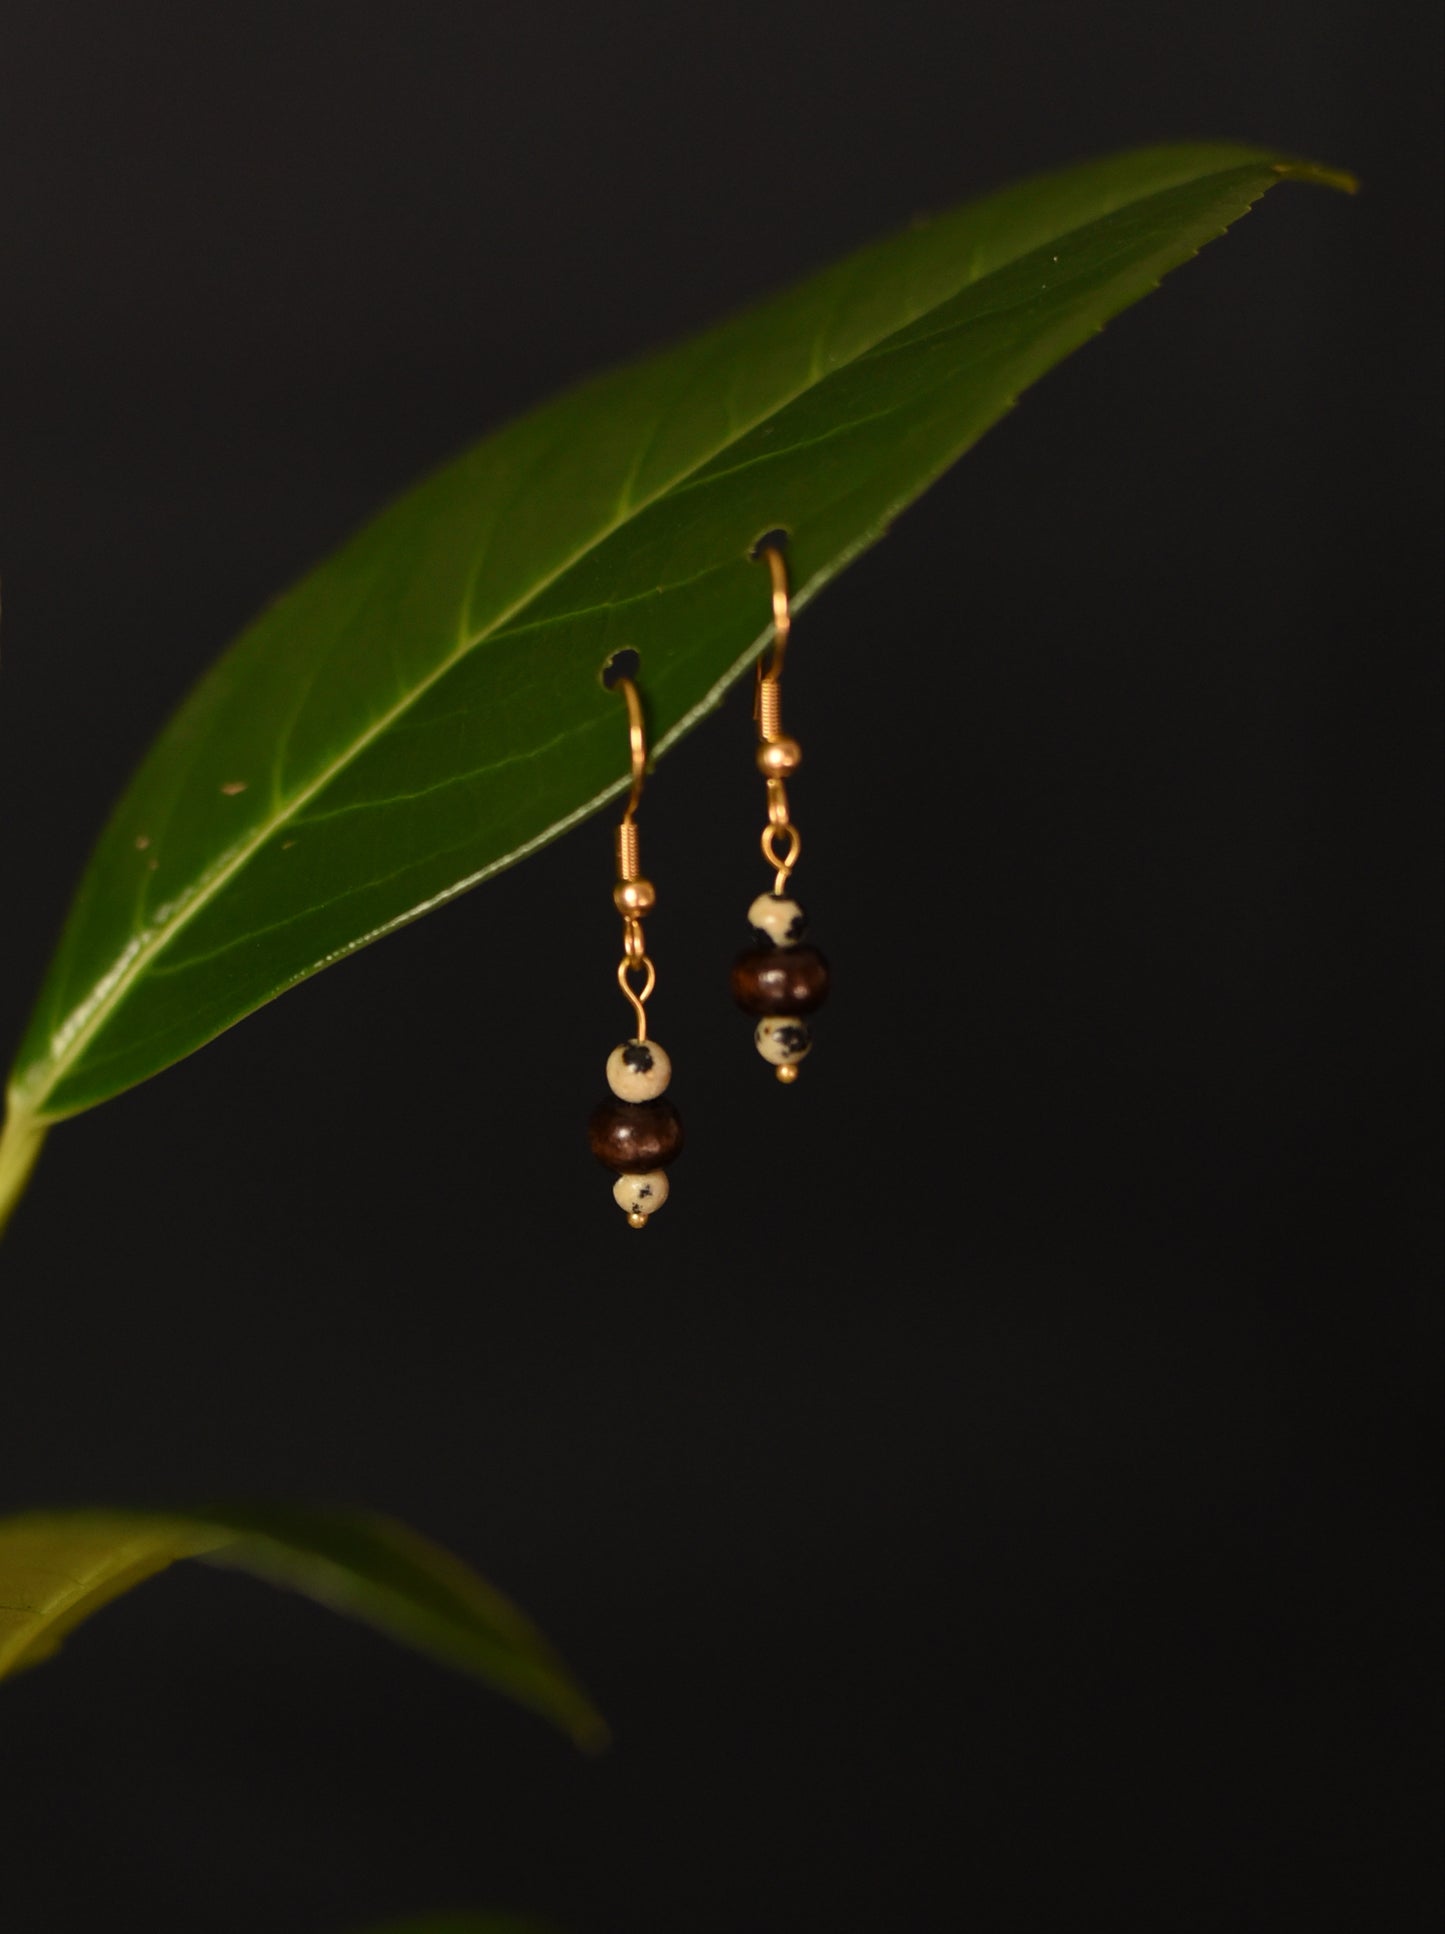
pixel 631 1136
pixel 780 980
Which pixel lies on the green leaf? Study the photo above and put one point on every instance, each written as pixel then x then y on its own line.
pixel 424 708
pixel 57 1567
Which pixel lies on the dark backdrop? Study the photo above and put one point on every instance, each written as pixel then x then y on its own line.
pixel 997 1491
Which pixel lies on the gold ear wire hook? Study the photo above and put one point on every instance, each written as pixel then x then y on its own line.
pixel 633 896
pixel 767 700
pixel 626 841
pixel 777 754
pixel 636 741
pixel 782 610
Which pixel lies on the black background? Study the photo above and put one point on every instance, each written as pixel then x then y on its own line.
pixel 998 1491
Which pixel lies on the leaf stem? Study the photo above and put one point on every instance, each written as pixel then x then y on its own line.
pixel 20 1142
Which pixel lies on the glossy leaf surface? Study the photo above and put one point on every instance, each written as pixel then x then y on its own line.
pixel 424 708
pixel 57 1567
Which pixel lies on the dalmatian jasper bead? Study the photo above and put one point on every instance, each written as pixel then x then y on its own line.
pixel 777 920
pixel 638 1071
pixel 640 1195
pixel 782 1039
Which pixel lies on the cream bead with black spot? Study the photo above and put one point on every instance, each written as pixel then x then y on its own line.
pixel 640 1194
pixel 638 1070
pixel 781 922
pixel 782 1039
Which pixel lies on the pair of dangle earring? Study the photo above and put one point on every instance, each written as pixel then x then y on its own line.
pixel 779 979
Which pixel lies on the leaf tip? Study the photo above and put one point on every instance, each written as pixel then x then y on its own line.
pixel 1321 176
pixel 21 1136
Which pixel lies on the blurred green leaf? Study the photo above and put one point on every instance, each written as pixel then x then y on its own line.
pixel 57 1567
pixel 424 708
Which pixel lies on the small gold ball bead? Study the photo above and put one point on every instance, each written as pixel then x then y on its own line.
pixel 637 1220
pixel 634 897
pixel 778 757
pixel 787 1074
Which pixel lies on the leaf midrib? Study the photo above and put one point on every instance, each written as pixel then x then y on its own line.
pixel 155 938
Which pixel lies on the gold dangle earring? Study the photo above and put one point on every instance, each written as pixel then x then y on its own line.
pixel 636 1132
pixel 778 978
